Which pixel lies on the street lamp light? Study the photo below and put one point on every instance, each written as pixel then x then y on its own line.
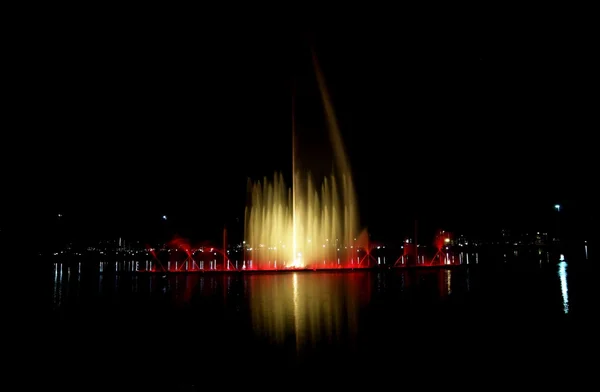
pixel 557 208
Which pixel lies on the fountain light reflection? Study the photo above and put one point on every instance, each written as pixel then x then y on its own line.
pixel 306 308
pixel 562 274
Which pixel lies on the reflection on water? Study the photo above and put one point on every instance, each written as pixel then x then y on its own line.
pixel 66 283
pixel 562 274
pixel 339 323
pixel 58 285
pixel 448 279
pixel 468 279
pixel 300 311
pixel 308 308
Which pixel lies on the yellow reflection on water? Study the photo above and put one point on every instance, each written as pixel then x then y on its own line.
pixel 307 308
pixel 448 280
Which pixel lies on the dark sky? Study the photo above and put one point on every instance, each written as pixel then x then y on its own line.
pixel 460 126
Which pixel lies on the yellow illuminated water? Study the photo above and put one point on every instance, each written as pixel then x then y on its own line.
pixel 310 223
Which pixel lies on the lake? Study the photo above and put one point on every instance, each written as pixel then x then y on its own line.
pixel 505 321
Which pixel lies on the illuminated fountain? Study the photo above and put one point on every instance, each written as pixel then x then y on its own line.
pixel 181 256
pixel 310 224
pixel 441 241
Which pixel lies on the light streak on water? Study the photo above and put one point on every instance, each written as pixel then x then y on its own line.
pixel 57 284
pixel 562 274
pixel 448 278
pixel 468 278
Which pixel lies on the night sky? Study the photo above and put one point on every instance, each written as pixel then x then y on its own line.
pixel 469 129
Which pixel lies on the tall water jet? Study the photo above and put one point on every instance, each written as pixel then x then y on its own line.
pixel 310 224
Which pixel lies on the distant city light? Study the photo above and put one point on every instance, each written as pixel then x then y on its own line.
pixel 557 207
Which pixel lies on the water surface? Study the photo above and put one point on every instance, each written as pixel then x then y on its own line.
pixel 500 319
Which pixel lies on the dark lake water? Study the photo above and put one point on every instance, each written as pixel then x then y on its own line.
pixel 515 321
